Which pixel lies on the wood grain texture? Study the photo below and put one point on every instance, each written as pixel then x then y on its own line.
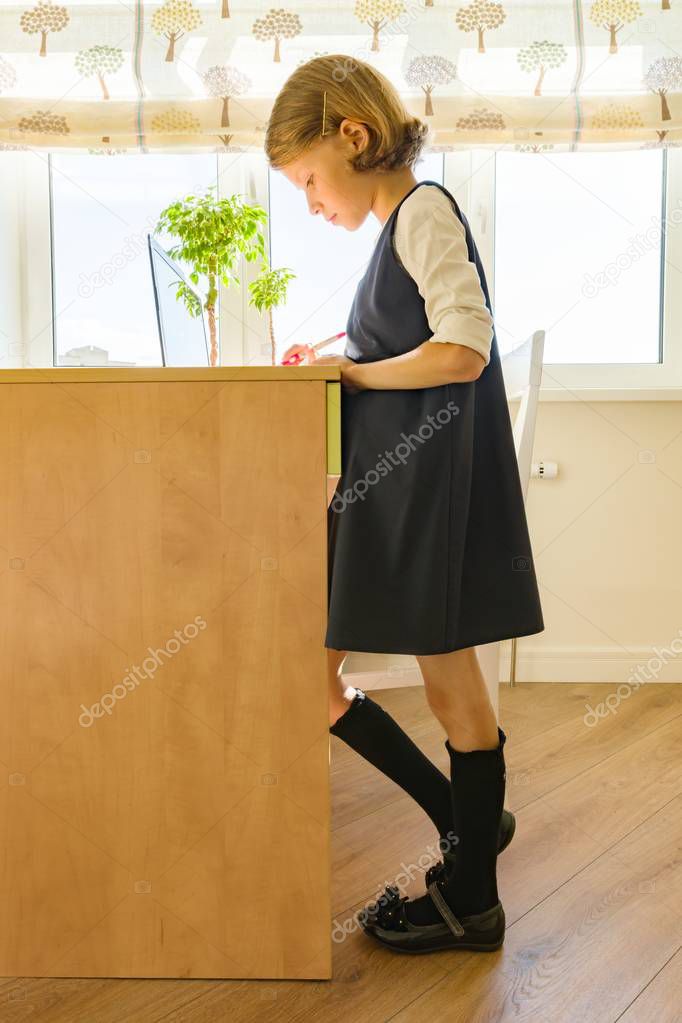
pixel 167 374
pixel 163 560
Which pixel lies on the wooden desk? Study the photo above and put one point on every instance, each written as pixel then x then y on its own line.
pixel 163 701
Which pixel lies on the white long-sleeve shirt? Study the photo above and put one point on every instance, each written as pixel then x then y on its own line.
pixel 430 242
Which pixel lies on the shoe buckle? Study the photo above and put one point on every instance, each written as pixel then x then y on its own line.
pixel 444 910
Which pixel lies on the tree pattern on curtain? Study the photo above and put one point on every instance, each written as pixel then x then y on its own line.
pixel 174 75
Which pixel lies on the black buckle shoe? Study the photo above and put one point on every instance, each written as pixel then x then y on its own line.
pixel 439 871
pixel 479 932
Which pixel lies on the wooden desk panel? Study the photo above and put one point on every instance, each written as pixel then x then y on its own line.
pixel 163 566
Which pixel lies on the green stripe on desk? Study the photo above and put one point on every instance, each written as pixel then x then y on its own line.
pixel 334 428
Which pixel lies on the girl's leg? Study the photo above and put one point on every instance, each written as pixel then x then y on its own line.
pixel 340 695
pixel 367 728
pixel 457 695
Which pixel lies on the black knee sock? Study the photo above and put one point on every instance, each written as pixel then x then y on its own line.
pixel 477 784
pixel 371 731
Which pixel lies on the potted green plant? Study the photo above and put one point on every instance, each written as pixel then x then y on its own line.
pixel 213 234
pixel 267 292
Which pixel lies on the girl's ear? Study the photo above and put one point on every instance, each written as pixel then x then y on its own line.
pixel 355 132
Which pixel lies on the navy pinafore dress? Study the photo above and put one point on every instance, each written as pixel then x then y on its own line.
pixel 428 545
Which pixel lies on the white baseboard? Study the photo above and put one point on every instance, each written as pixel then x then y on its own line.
pixel 657 663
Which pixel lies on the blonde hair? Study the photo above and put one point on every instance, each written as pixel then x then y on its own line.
pixel 339 86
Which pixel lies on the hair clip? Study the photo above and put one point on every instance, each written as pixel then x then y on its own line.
pixel 324 113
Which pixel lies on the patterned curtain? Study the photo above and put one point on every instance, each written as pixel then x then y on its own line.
pixel 200 75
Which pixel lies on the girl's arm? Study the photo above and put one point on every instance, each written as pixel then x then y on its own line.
pixel 429 365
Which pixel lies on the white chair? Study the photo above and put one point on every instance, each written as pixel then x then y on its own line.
pixel 522 371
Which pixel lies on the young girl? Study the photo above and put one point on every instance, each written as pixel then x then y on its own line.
pixel 429 551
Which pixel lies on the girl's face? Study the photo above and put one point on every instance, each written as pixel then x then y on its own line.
pixel 343 196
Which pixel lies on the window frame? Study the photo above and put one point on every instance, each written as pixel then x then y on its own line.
pixel 469 175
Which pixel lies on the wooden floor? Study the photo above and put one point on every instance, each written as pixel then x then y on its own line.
pixel 591 886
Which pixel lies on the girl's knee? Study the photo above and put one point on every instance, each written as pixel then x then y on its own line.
pixel 339 704
pixel 335 659
pixel 451 702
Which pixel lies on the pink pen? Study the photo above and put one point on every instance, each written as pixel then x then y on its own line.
pixel 293 360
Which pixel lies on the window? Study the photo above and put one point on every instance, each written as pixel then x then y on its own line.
pixel 579 252
pixel 102 210
pixel 546 225
pixel 320 297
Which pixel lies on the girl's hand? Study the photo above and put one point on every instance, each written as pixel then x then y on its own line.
pixel 312 358
pixel 306 351
pixel 332 360
pixel 347 382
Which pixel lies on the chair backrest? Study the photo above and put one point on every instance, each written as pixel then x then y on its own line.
pixel 522 371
